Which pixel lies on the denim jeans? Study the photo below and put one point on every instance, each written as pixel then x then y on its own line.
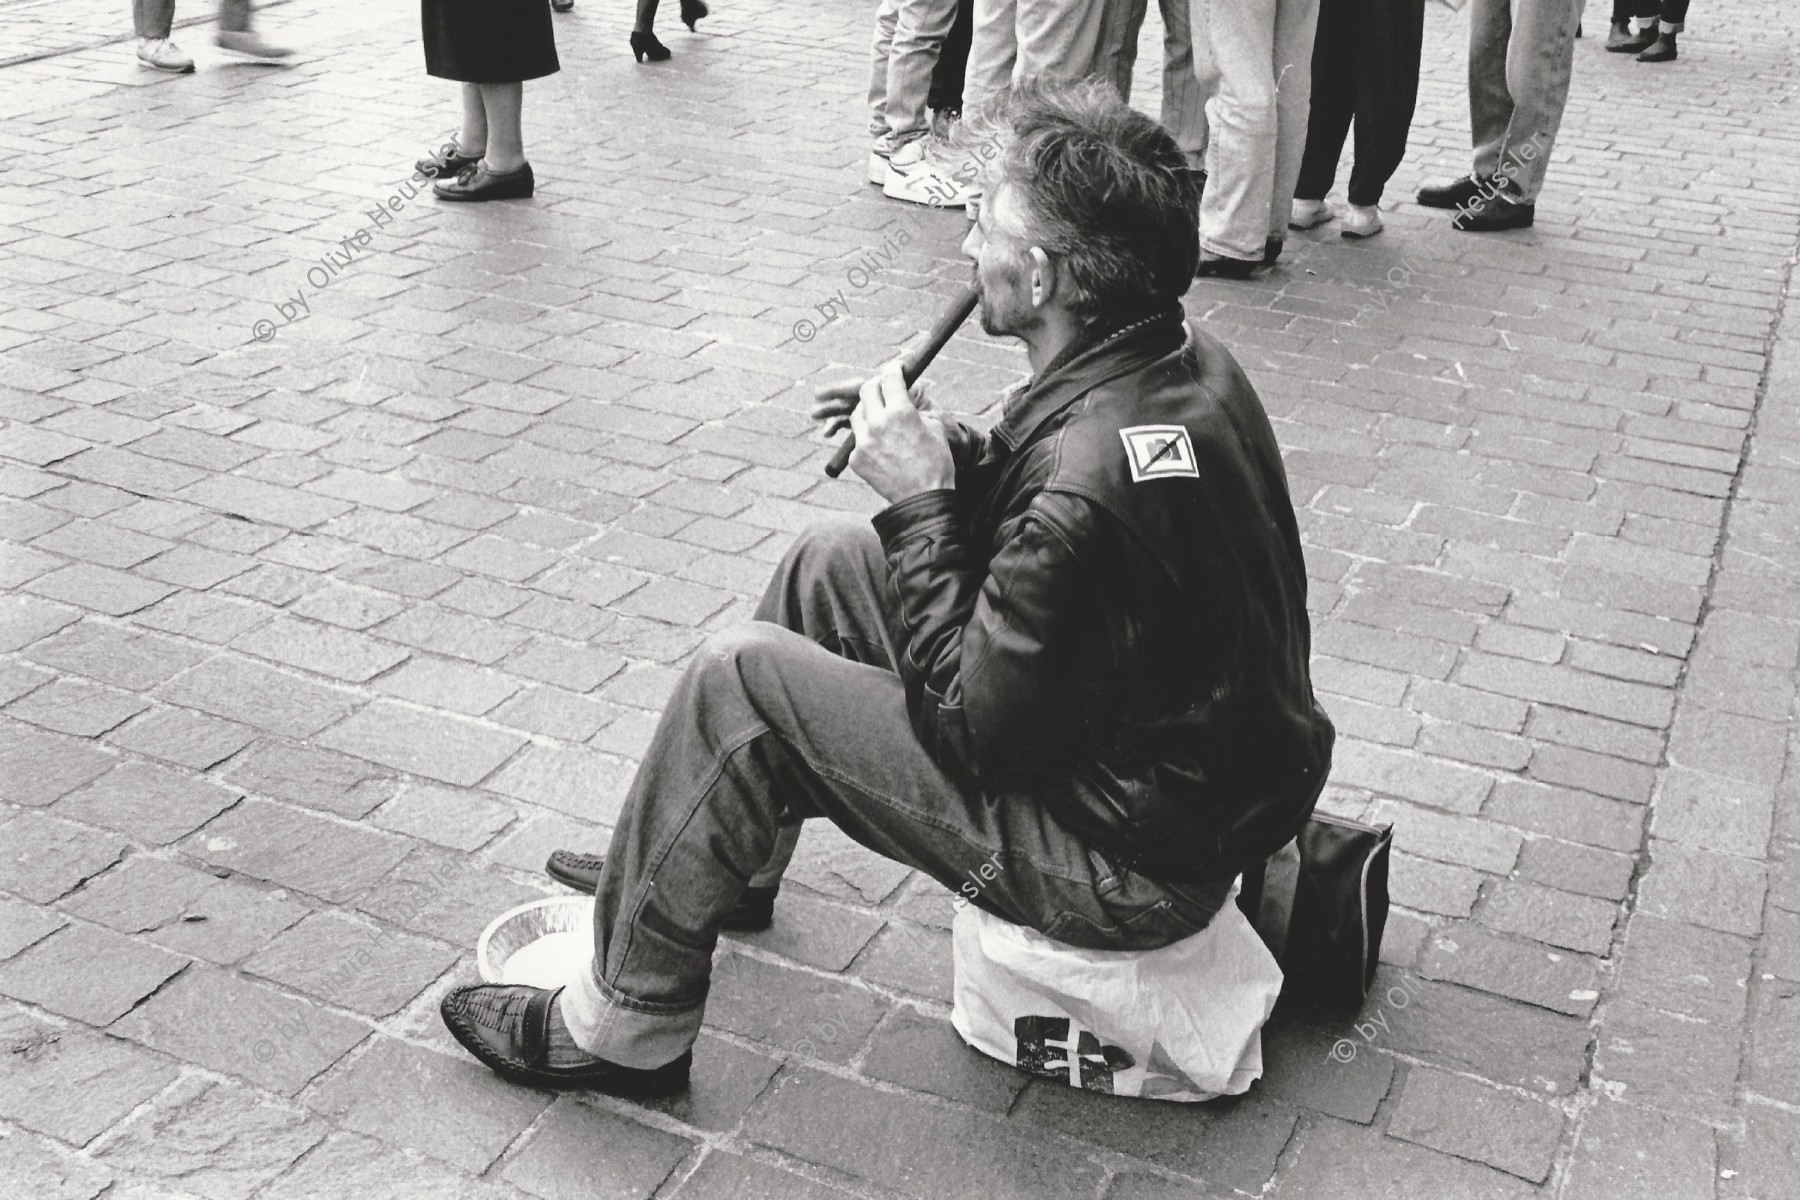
pixel 155 18
pixel 908 36
pixel 1520 56
pixel 795 715
pixel 1032 39
pixel 1183 107
pixel 1253 59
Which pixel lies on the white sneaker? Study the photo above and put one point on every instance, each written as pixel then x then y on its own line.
pixel 1361 222
pixel 1308 213
pixel 915 176
pixel 878 167
pixel 249 44
pixel 164 55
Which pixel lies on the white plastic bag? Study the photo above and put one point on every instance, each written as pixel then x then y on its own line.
pixel 1180 1023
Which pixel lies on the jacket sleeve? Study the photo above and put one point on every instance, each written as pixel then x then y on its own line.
pixel 992 646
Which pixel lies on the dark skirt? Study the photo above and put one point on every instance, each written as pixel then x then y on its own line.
pixel 488 41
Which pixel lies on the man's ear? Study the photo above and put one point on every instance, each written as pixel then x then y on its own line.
pixel 1043 278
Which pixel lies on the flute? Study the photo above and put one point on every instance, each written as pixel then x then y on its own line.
pixel 913 365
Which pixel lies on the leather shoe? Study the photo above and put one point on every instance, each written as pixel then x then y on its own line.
pixel 479 183
pixel 508 1028
pixel 447 162
pixel 755 910
pixel 1452 195
pixel 1495 213
pixel 1622 41
pixel 1220 267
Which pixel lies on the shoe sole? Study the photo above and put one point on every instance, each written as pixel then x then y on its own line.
pixel 455 198
pixel 1358 235
pixel 1506 228
pixel 259 59
pixel 187 70
pixel 1322 219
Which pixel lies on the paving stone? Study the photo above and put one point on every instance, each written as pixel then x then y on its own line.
pixel 571 779
pixel 1339 1161
pixel 241 690
pixel 440 683
pixel 86 973
pixel 311 854
pixel 1467 1119
pixel 1469 955
pixel 1714 890
pixel 451 817
pixel 1229 1143
pixel 829 862
pixel 1583 923
pixel 116 656
pixel 42 857
pixel 444 896
pixel 473 1115
pixel 1726 815
pixel 1310 1069
pixel 190 912
pixel 1769 1157
pixel 99 589
pixel 1685 969
pixel 578 1153
pixel 555 713
pixel 337 653
pixel 1781 947
pixel 794 1011
pixel 352 964
pixel 1628 1153
pixel 218 1140
pixel 723 1176
pixel 37 768
pixel 313 777
pixel 182 736
pixel 811 931
pixel 441 748
pixel 1726 744
pixel 1131 1185
pixel 1469 1031
pixel 1774 1059
pixel 1393 772
pixel 724 1082
pixel 43 1171
pixel 71 1083
pixel 349 1166
pixel 1572 868
pixel 1669 1062
pixel 75 707
pixel 1572 816
pixel 26 619
pixel 870 1135
pixel 22 924
pixel 1432 887
pixel 927 1055
pixel 209 618
pixel 150 803
pixel 910 958
pixel 1468 842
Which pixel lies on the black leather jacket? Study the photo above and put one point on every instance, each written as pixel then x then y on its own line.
pixel 1129 652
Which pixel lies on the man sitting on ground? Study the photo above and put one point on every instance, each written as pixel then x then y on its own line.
pixel 1075 647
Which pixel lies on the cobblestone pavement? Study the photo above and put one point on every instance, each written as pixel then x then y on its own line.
pixel 314 646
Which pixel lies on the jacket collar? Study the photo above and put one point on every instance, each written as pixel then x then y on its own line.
pixel 1082 366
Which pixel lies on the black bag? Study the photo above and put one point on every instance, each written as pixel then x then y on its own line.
pixel 1321 904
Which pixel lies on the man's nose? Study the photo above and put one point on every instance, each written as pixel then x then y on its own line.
pixel 972 244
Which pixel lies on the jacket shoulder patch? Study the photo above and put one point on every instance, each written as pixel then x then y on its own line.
pixel 1158 452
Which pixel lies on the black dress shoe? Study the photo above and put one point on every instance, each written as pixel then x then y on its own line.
pixel 645 45
pixel 479 183
pixel 1221 267
pixel 1661 50
pixel 691 11
pixel 1492 214
pixel 1452 195
pixel 447 162
pixel 1622 41
pixel 755 910
pixel 508 1028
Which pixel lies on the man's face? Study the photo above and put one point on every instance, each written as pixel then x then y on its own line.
pixel 998 245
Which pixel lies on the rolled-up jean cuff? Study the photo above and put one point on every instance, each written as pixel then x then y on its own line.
pixel 624 1031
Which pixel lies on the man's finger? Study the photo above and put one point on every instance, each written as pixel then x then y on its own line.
pixel 871 398
pixel 834 406
pixel 845 389
pixel 893 386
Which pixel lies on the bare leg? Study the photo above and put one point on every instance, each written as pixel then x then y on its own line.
pixel 505 139
pixel 472 138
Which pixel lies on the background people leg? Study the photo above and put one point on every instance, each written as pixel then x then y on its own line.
pixel 1295 24
pixel 1490 103
pixel 993 51
pixel 1538 65
pixel 1338 53
pixel 1233 46
pixel 1387 91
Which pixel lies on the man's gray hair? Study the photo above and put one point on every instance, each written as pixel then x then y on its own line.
pixel 1104 191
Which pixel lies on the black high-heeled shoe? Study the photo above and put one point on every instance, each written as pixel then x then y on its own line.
pixel 645 45
pixel 693 10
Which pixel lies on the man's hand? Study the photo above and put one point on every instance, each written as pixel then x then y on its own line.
pixel 901 449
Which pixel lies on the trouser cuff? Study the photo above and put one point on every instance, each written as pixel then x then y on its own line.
pixel 629 1033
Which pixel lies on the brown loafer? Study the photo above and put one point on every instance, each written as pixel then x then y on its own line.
pixel 508 1028
pixel 479 183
